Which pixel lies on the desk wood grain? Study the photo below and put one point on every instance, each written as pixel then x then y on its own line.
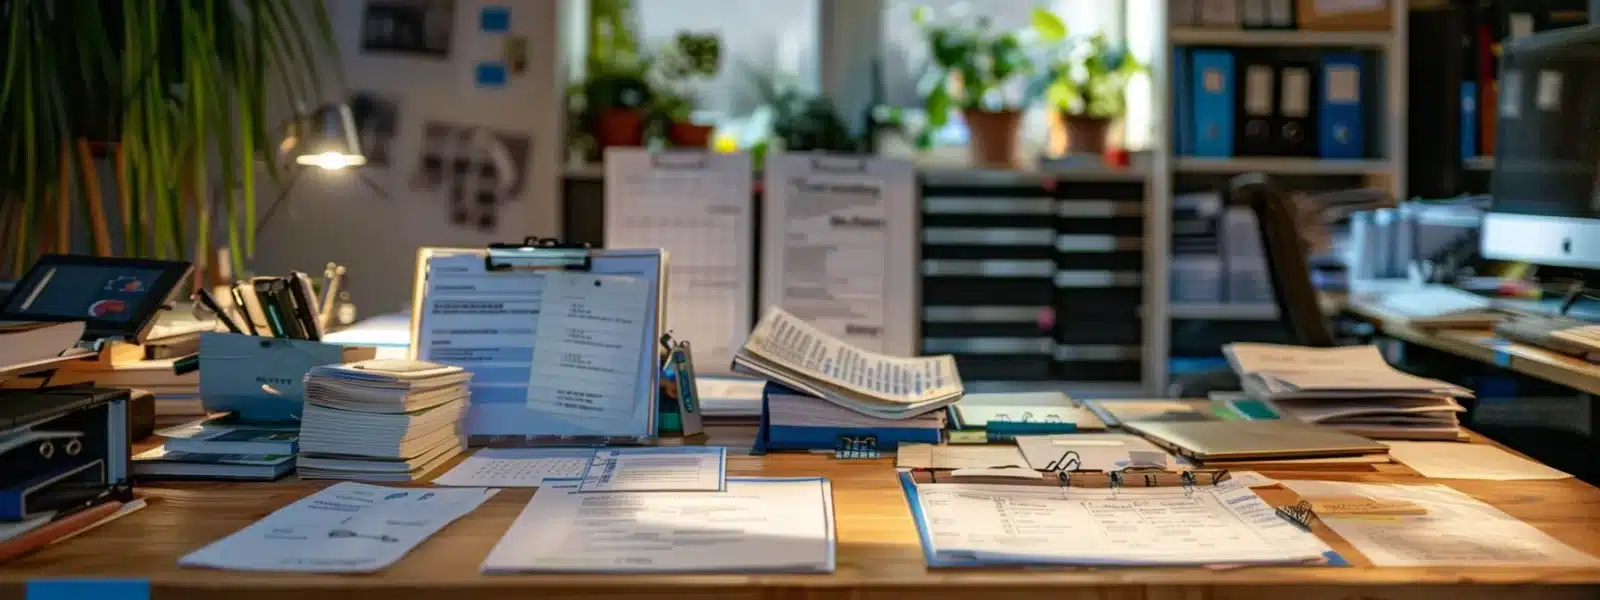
pixel 879 555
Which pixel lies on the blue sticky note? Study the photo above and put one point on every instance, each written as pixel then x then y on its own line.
pixel 77 589
pixel 490 74
pixel 1502 354
pixel 494 19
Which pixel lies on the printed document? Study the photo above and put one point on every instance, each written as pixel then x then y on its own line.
pixel 839 246
pixel 518 467
pixel 798 346
pixel 657 469
pixel 587 345
pixel 697 206
pixel 756 525
pixel 993 524
pixel 1457 530
pixel 347 528
pixel 1455 460
pixel 936 456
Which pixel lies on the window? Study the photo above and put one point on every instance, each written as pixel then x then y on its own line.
pixel 764 36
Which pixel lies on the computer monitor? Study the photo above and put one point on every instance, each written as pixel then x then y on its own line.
pixel 1546 183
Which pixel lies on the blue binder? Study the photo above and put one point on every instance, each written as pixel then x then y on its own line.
pixel 1469 119
pixel 787 437
pixel 1182 104
pixel 1341 134
pixel 1213 85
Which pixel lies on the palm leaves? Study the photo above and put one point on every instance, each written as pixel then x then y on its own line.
pixel 162 100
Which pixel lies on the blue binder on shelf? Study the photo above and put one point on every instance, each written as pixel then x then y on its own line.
pixel 1469 119
pixel 852 439
pixel 1341 134
pixel 1213 99
pixel 1182 104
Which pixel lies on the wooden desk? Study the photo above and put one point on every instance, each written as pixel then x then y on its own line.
pixel 879 555
pixel 1482 345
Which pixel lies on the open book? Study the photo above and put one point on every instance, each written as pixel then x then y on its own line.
pixel 791 352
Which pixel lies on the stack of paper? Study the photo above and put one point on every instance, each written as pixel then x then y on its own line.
pixel 1437 306
pixel 381 420
pixel 805 411
pixel 791 352
pixel 1350 388
pixel 176 395
pixel 31 341
pixel 221 448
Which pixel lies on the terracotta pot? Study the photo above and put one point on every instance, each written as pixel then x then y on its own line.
pixel 1086 135
pixel 619 127
pixel 690 135
pixel 993 137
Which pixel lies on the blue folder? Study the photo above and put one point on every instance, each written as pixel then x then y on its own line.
pixel 1213 91
pixel 1469 119
pixel 1341 134
pixel 1182 104
pixel 790 437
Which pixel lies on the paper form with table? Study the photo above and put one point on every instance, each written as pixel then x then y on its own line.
pixel 758 524
pixel 698 207
pixel 839 246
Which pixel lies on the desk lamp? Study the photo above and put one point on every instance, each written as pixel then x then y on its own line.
pixel 325 138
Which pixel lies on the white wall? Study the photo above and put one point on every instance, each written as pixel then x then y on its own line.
pixel 337 218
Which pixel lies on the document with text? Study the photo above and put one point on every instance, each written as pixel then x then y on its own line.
pixel 657 469
pixel 589 337
pixel 758 524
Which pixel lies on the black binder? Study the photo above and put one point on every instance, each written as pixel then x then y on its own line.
pixel 1295 120
pixel 1255 105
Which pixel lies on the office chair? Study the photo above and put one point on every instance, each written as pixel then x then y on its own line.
pixel 1289 265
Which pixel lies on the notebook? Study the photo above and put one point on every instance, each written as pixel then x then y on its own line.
pixel 1232 440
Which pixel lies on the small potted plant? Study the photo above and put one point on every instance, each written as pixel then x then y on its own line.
pixel 613 102
pixel 1084 80
pixel 978 71
pixel 689 58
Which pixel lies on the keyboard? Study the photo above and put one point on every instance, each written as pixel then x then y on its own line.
pixel 1565 335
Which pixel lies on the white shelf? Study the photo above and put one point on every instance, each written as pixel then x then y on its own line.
pixel 1223 311
pixel 1284 166
pixel 1290 38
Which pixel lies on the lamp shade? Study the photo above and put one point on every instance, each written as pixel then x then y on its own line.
pixel 328 139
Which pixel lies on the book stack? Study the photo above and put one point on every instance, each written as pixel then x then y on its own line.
pixel 381 420
pixel 177 395
pixel 1351 388
pixel 221 447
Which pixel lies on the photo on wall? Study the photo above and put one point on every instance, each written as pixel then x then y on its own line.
pixel 479 169
pixel 377 119
pixel 419 27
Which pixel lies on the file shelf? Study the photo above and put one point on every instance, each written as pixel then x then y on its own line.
pixel 1288 38
pixel 1285 166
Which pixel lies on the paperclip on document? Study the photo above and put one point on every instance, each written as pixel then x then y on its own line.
pixel 508 314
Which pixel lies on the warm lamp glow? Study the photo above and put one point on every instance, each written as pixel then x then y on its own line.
pixel 331 161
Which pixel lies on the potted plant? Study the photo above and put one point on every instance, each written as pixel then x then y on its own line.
pixel 149 116
pixel 976 70
pixel 614 101
pixel 689 58
pixel 1084 80
pixel 800 120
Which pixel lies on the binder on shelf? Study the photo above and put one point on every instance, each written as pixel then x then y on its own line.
pixel 1183 13
pixel 1296 117
pixel 1253 14
pixel 1340 132
pixel 1212 71
pixel 1253 115
pixel 1182 103
pixel 1469 120
pixel 793 437
pixel 471 308
pixel 1223 14
pixel 1281 14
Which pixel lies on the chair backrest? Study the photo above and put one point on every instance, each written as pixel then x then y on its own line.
pixel 1288 260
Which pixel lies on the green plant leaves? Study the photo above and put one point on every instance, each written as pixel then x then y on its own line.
pixel 1050 27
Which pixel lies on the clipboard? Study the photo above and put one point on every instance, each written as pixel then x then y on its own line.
pixel 487 292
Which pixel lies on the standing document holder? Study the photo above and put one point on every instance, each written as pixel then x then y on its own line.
pixel 479 309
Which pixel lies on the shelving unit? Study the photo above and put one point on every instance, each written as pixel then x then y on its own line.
pixel 1386 171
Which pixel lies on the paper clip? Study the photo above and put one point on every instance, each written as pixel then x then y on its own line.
pixel 1299 514
pixel 853 447
pixel 1069 461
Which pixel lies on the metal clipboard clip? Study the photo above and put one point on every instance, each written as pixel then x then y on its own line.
pixel 538 253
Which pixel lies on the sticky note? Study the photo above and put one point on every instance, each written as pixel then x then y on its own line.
pixel 494 19
pixel 77 589
pixel 489 74
pixel 1502 354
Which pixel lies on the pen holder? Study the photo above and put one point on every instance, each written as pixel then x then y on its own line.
pixel 263 379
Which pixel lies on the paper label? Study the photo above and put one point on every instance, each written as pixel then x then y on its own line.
pixel 1296 93
pixel 1344 85
pixel 1361 505
pixel 1520 24
pixel 1548 96
pixel 1280 13
pixel 1258 90
pixel 1511 94
pixel 1213 80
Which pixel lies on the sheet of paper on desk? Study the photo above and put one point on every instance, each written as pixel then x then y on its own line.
pixel 657 469
pixel 932 456
pixel 347 528
pixel 1455 460
pixel 993 524
pixel 574 373
pixel 1457 529
pixel 756 525
pixel 517 467
pixel 1095 451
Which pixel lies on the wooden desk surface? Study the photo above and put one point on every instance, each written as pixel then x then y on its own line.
pixel 1482 345
pixel 878 551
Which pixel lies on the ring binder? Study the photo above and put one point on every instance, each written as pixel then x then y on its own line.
pixel 1127 477
pixel 850 447
pixel 538 253
pixel 1300 514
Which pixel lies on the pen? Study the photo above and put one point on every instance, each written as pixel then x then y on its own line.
pixel 210 302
